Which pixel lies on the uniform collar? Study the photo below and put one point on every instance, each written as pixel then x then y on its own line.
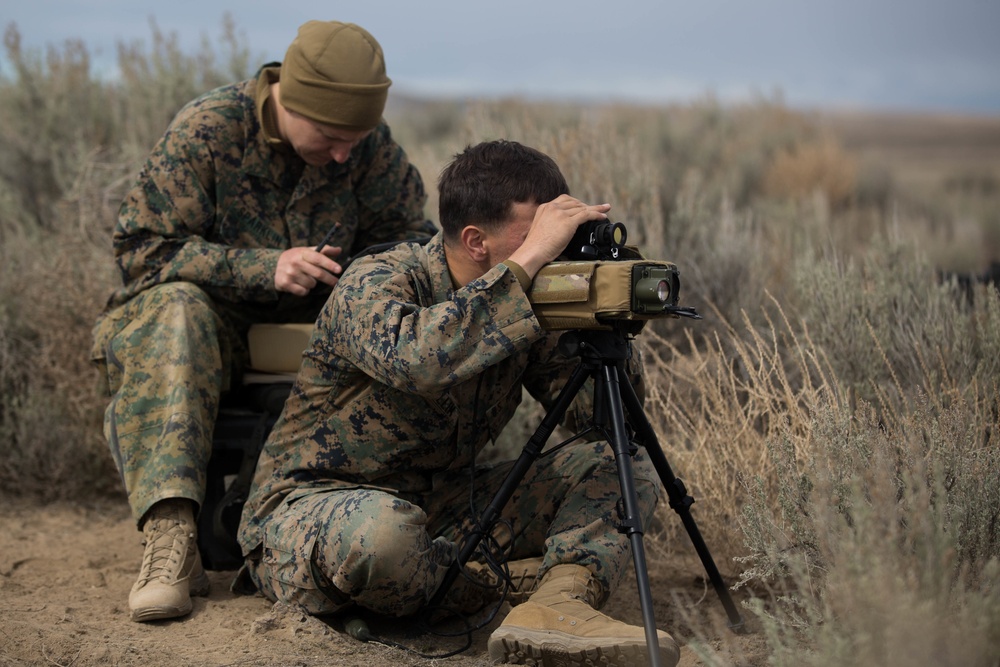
pixel 265 114
pixel 437 264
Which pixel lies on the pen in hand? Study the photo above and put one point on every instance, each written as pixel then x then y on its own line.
pixel 329 235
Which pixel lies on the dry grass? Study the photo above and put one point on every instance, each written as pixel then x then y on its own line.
pixel 858 526
pixel 719 403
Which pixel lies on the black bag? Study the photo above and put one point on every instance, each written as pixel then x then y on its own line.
pixel 244 421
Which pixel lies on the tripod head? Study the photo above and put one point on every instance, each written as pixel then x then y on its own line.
pixel 597 346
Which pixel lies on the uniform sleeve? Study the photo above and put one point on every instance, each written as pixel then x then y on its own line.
pixel 376 321
pixel 390 193
pixel 165 222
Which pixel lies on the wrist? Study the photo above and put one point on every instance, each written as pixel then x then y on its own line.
pixel 530 262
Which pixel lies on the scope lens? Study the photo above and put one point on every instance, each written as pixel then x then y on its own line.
pixel 663 291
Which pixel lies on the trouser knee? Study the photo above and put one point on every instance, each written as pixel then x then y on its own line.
pixel 167 325
pixel 183 312
pixel 377 551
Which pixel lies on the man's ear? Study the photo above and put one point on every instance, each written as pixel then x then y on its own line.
pixel 474 242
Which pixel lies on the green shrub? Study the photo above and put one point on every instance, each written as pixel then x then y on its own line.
pixel 883 548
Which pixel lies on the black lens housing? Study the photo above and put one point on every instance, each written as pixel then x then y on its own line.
pixel 596 240
pixel 654 289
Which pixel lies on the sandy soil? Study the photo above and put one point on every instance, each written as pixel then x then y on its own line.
pixel 65 573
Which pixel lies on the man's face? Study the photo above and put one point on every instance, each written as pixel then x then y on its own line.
pixel 317 143
pixel 509 238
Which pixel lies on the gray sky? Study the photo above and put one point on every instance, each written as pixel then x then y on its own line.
pixel 927 55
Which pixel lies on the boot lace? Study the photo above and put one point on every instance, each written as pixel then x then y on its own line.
pixel 165 548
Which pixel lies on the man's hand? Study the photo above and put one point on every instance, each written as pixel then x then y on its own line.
pixel 301 269
pixel 551 229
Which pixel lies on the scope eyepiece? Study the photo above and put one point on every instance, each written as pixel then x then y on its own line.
pixel 609 234
pixel 597 240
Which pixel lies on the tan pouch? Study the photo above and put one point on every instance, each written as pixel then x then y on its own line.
pixel 278 348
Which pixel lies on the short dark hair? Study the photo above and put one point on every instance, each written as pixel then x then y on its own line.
pixel 483 182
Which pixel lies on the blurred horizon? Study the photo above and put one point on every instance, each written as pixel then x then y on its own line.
pixel 848 56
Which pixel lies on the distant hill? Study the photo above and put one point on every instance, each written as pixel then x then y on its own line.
pixel 919 148
pixel 922 149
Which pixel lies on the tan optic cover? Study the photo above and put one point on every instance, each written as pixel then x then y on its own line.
pixel 585 295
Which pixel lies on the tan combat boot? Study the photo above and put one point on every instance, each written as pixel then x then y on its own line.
pixel 559 625
pixel 171 565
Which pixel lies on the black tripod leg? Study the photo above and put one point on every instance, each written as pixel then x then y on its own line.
pixel 631 521
pixel 680 501
pixel 521 465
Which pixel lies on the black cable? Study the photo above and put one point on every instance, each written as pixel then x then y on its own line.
pixel 358 628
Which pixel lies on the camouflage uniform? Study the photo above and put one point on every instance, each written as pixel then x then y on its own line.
pixel 362 489
pixel 197 244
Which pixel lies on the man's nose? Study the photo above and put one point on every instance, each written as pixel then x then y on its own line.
pixel 340 153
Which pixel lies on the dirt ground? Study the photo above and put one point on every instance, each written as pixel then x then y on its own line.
pixel 65 573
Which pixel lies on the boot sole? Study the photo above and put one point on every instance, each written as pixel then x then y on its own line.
pixel 160 613
pixel 200 586
pixel 555 649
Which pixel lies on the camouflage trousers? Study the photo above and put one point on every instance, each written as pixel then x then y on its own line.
pixel 324 549
pixel 166 357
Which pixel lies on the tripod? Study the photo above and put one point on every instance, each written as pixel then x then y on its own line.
pixel 602 356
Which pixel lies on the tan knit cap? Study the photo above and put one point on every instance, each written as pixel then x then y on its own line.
pixel 334 73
